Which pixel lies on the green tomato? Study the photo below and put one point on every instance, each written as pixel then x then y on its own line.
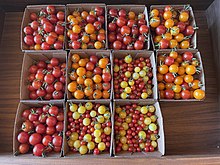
pixel 88 105
pixel 137 69
pixel 135 76
pixel 93 113
pixel 128 59
pixel 153 127
pixel 142 135
pixel 124 84
pixel 142 73
pixel 127 74
pixel 86 121
pixel 73 107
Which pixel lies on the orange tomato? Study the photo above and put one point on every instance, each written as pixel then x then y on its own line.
pixel 75 58
pixel 154 22
pixel 61 38
pixel 85 39
pixel 78 94
pixel 173 54
pixel 167 15
pixel 80 80
pixel 73 76
pixel 97 94
pixel 179 37
pixel 75 65
pixel 178 80
pixel 88 82
pixel 157 39
pixel 82 62
pixel 97 79
pixel 93 36
pixel 173 44
pixel 84 46
pixel 159 77
pixel 169 85
pixel 167 36
pixel 88 91
pixel 98 45
pixel 72 86
pixel 69 17
pixel 76 13
pixel 69 32
pixel 74 21
pixel 89 74
pixel 181 70
pixel 98 86
pixel 169 23
pixel 161 86
pixel 103 62
pixel 154 13
pixel 89 28
pixel 184 16
pixel 105 94
pixel 76 29
pixel 81 71
pixel 84 14
pixel 37 47
pixel 102 31
pixel 131 15
pixel 184 45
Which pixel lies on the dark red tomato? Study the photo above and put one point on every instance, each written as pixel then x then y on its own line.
pixel 121 21
pixel 58 86
pixel 127 40
pixel 58 45
pixel 50 9
pixel 99 11
pixel 33 16
pixel 27 126
pixel 41 92
pixel 185 94
pixel 117 45
pixel 33 95
pixel 169 61
pixel 60 116
pixel 52 18
pixel 142 38
pixel 62 79
pixel 169 94
pixel 23 137
pixel 90 18
pixel 50 40
pixel 138 45
pixel 143 29
pixel 38 150
pixel 34 25
pixel 94 59
pixel 50 88
pixel 122 13
pixel 26 113
pixel 96 151
pixel 106 77
pixel 33 116
pixel 168 77
pixel 51 121
pixel 56 72
pixel 45 46
pixel 40 128
pixel 29 40
pixel 35 138
pixel 57 141
pixel 101 19
pixel 41 64
pixel 187 56
pixel 59 126
pixel 74 36
pixel 97 70
pixel 48 96
pixel 161 29
pixel 181 26
pixel 106 86
pixel 141 22
pixel 125 30
pixel 50 130
pixel 113 12
pixel 53 110
pixel 33 69
pixel 90 66
pixel 49 78
pixel 46 140
pixel 42 118
pixel 60 15
pixel 189 31
pixel 164 44
pixel 57 94
pixel 28 30
pixel 119 37
pixel 130 47
pixel 97 25
pixel 134 31
pixel 101 37
pixel 48 27
pixel 59 29
pixel 76 45
pixel 131 23
pixel 54 61
pixel 185 86
pixel 23 148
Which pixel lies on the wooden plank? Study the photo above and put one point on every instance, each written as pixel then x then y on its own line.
pixel 2 17
pixel 19 5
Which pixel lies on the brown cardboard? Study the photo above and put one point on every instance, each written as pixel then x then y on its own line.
pixel 192 23
pixel 136 54
pixel 87 53
pixel 29 58
pixel 26 20
pixel 201 75
pixel 69 154
pixel 18 122
pixel 87 7
pixel 137 9
pixel 161 141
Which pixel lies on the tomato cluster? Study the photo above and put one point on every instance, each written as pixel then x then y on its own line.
pixel 41 130
pixel 133 78
pixel 91 77
pixel 178 76
pixel 171 28
pixel 47 80
pixel 136 128
pixel 86 29
pixel 89 128
pixel 46 31
pixel 127 30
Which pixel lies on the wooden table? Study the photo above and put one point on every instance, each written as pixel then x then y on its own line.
pixel 192 130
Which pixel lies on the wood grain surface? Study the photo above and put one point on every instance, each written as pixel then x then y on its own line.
pixel 192 130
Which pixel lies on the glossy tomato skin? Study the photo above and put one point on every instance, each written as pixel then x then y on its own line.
pixel 169 94
pixel 35 138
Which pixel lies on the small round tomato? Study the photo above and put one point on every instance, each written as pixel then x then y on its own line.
pixel 169 94
pixel 199 94
pixel 185 94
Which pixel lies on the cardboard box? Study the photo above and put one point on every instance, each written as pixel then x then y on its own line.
pixel 161 141
pixel 69 154
pixel 192 22
pixel 29 58
pixel 87 7
pixel 200 76
pixel 137 9
pixel 88 53
pixel 136 54
pixel 18 123
pixel 26 20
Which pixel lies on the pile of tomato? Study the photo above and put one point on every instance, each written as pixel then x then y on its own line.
pixel 171 28
pixel 127 30
pixel 90 77
pixel 86 30
pixel 133 78
pixel 47 80
pixel 89 128
pixel 179 76
pixel 136 128
pixel 41 130
pixel 46 29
